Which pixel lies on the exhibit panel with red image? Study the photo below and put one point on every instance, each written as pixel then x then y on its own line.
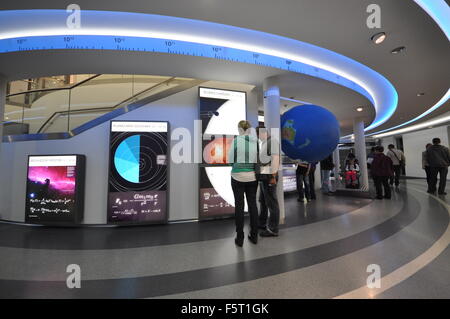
pixel 220 112
pixel 55 187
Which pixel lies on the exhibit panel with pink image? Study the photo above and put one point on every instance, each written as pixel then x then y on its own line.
pixel 54 189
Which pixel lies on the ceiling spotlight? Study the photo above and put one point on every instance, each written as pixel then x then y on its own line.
pixel 398 50
pixel 378 38
pixel 420 94
pixel 359 109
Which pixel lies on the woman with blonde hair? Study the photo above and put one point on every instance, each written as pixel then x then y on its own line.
pixel 243 156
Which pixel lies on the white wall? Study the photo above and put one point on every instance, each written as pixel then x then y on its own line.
pixel 180 110
pixel 414 144
pixel 386 141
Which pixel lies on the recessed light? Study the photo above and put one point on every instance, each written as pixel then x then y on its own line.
pixel 378 38
pixel 398 50
pixel 420 94
pixel 359 109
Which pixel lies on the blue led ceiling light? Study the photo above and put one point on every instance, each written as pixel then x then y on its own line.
pixel 26 30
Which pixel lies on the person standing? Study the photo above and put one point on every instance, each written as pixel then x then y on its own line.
pixel 326 166
pixel 398 160
pixel 370 157
pixel 426 166
pixel 312 180
pixel 269 163
pixel 438 157
pixel 381 170
pixel 303 187
pixel 243 155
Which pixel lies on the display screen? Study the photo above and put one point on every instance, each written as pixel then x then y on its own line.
pixel 55 189
pixel 215 149
pixel 220 113
pixel 216 195
pixel 289 178
pixel 138 172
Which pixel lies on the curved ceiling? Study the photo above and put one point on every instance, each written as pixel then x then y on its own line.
pixel 34 30
pixel 335 25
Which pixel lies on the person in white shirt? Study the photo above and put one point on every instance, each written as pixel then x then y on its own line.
pixel 269 163
pixel 398 159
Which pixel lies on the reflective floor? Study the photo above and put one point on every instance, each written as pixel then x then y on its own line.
pixel 323 251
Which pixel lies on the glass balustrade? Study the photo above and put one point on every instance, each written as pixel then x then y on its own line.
pixel 56 106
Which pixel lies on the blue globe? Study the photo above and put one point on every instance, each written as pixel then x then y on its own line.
pixel 309 132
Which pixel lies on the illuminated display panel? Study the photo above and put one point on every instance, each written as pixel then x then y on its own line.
pixel 55 189
pixel 138 172
pixel 220 113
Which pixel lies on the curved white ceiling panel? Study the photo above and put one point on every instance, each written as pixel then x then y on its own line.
pixel 26 30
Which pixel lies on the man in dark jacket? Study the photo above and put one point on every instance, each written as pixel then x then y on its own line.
pixel 326 166
pixel 438 158
pixel 381 170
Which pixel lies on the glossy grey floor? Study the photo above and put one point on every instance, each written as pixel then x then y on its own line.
pixel 323 251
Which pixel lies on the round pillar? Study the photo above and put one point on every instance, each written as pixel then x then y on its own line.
pixel 272 122
pixel 360 149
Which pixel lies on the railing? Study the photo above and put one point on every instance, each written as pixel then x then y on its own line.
pixel 64 109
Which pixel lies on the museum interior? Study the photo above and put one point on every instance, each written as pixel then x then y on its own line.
pixel 118 119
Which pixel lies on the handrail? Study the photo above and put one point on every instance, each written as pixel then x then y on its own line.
pixel 103 118
pixel 103 108
pixel 56 89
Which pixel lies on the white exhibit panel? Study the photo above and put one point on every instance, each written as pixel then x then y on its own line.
pixel 224 119
pixel 36 161
pixel 220 113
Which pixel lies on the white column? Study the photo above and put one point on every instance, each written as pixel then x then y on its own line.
pixel 337 167
pixel 2 107
pixel 272 121
pixel 360 149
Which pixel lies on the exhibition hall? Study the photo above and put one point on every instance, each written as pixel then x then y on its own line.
pixel 224 150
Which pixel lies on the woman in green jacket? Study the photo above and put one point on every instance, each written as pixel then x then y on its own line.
pixel 243 155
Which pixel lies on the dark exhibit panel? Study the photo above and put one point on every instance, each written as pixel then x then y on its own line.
pixel 138 172
pixel 55 189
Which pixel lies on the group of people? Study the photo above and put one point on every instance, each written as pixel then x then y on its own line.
pixel 305 176
pixel 249 172
pixel 386 169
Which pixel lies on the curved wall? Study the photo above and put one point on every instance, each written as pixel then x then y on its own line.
pixel 180 110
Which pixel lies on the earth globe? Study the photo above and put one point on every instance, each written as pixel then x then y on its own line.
pixel 309 132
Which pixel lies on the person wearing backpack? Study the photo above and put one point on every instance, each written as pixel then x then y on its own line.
pixel 398 160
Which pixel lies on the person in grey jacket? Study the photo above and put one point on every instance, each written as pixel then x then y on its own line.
pixel 438 158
